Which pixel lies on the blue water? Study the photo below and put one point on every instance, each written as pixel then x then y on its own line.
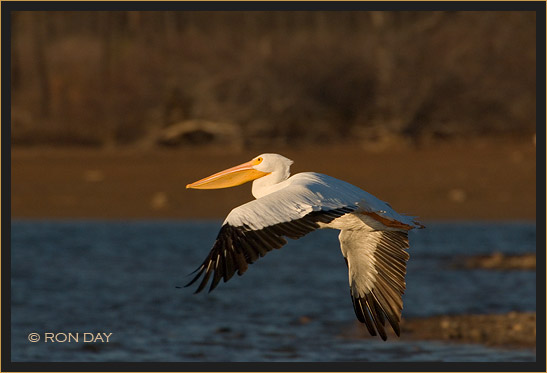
pixel 292 305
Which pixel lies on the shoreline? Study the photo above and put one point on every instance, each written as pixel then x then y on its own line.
pixel 486 179
pixel 510 330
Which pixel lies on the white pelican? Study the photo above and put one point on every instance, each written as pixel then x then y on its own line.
pixel 373 237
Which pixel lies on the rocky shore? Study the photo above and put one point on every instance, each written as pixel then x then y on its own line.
pixel 514 329
pixel 500 261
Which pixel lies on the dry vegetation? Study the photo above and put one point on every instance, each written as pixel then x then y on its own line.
pixel 116 78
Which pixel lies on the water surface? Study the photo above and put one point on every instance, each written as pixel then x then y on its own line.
pixel 293 305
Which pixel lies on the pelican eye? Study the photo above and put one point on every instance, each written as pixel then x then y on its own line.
pixel 259 159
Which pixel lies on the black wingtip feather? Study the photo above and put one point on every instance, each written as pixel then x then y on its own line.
pixel 195 277
pixel 371 306
pixel 203 282
pixel 371 313
pixel 391 314
pixel 216 279
pixel 363 315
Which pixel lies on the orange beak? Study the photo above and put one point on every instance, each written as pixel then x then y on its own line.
pixel 231 177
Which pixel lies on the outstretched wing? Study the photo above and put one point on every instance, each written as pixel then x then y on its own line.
pixel 376 262
pixel 259 226
pixel 238 246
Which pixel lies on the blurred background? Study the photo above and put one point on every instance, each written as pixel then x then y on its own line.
pixel 106 79
pixel 113 113
pixel 128 107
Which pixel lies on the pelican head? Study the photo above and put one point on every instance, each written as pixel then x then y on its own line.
pixel 275 166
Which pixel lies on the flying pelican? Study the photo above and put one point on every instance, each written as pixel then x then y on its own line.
pixel 373 237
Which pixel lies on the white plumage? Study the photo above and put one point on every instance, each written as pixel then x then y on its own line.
pixel 373 236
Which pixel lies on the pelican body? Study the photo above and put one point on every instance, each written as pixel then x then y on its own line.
pixel 373 236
